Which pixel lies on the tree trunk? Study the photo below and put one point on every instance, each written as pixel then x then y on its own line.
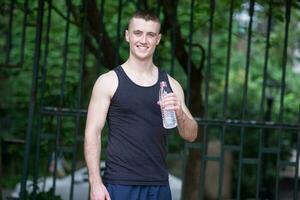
pixel 191 183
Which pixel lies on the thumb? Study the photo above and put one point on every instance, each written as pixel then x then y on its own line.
pixel 107 197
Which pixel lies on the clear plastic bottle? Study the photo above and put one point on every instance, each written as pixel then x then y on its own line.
pixel 168 116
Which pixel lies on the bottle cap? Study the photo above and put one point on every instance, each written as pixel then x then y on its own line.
pixel 163 83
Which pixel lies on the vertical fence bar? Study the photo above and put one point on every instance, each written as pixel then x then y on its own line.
pixel 157 12
pixel 41 102
pixel 284 59
pixel 117 59
pixel 138 5
pixel 142 5
pixel 240 164
pixel 173 37
pixel 245 88
pixel 245 94
pixel 62 94
pixel 282 90
pixel 228 56
pixel 22 49
pixel 260 165
pixel 34 86
pixel 101 24
pixel 79 91
pixel 157 9
pixel 1 172
pixel 221 169
pixel 208 66
pixel 10 31
pixel 191 28
pixel 203 163
pixel 207 77
pixel 223 131
pixel 265 70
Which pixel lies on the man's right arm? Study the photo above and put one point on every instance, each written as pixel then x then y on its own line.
pixel 96 117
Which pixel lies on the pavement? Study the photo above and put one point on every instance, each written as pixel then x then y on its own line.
pixel 81 186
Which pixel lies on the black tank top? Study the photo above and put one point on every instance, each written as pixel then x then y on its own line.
pixel 136 148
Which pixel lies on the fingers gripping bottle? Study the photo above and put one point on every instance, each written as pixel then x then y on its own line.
pixel 168 116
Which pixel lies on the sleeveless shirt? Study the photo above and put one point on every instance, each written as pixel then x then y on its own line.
pixel 136 150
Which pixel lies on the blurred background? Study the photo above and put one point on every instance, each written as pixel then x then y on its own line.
pixel 239 64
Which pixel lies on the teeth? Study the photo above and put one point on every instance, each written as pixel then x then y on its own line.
pixel 142 47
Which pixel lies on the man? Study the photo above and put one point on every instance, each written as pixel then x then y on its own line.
pixel 128 98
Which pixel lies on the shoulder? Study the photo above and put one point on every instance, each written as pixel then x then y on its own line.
pixel 106 83
pixel 108 77
pixel 175 85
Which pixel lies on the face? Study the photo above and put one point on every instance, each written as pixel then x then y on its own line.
pixel 142 36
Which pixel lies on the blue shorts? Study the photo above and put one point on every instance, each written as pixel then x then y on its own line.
pixel 139 192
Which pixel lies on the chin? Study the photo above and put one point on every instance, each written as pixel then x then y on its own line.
pixel 142 57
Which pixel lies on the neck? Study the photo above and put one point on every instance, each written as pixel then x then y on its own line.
pixel 139 65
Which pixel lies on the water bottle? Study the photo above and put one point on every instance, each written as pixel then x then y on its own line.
pixel 168 116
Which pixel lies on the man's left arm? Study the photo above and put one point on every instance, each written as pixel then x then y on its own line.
pixel 187 126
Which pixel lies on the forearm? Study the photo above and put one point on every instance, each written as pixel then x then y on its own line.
pixel 92 150
pixel 187 127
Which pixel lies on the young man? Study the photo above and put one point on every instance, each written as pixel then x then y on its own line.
pixel 128 98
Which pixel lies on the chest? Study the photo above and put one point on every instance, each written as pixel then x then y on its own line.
pixel 136 100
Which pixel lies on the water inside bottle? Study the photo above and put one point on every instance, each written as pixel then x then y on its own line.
pixel 169 119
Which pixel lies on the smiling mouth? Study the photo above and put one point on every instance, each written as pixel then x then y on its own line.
pixel 142 47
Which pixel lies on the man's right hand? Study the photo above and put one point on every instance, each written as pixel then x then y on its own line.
pixel 99 193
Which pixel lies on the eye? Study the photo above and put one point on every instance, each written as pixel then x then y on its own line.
pixel 151 34
pixel 137 33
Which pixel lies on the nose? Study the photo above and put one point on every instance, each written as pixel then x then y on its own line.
pixel 144 39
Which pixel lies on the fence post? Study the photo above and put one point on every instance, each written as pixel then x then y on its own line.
pixel 0 167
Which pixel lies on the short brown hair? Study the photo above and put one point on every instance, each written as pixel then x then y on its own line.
pixel 147 15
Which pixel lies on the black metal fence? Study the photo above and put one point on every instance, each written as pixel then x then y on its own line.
pixel 235 59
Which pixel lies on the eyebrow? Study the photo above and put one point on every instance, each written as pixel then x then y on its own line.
pixel 150 32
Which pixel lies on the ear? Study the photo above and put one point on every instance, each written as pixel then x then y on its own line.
pixel 158 39
pixel 127 35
